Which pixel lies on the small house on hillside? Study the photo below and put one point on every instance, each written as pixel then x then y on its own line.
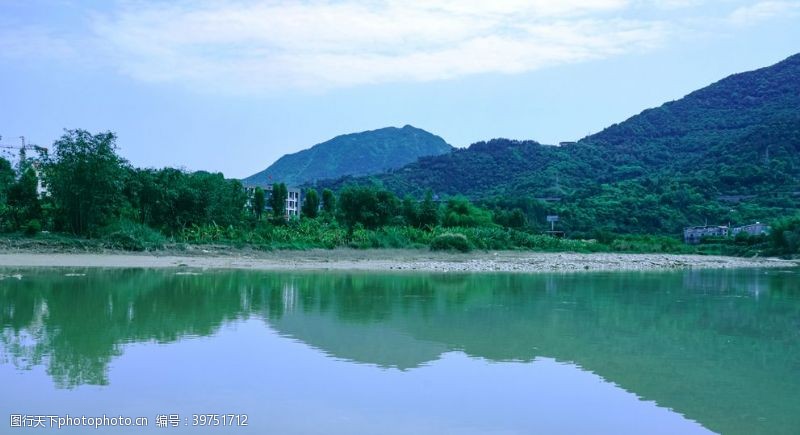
pixel 693 235
pixel 756 229
pixel 735 198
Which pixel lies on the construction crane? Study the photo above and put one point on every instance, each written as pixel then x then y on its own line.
pixel 41 150
pixel 36 148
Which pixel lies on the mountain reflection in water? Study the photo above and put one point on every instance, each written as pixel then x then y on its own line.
pixel 719 347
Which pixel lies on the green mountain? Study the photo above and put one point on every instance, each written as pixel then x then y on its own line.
pixel 729 152
pixel 355 154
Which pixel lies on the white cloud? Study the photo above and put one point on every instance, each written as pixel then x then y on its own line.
pixel 676 4
pixel 249 46
pixel 235 46
pixel 763 10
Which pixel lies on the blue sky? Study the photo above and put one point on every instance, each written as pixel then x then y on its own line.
pixel 231 85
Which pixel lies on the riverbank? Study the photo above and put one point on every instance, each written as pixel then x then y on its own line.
pixel 386 260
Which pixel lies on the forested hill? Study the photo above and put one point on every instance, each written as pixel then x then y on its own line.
pixel 727 152
pixel 364 153
pixel 741 119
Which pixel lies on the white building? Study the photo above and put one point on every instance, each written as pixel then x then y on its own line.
pixel 293 198
pixel 293 202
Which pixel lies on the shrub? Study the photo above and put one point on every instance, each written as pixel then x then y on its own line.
pixel 785 236
pixel 363 238
pixel 461 213
pixel 450 241
pixel 130 236
pixel 33 227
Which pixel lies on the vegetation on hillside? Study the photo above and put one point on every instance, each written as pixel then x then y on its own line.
pixel 364 153
pixel 99 196
pixel 727 153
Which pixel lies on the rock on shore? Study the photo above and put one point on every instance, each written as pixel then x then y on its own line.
pixel 392 260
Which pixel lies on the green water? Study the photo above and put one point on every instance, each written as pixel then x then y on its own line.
pixel 683 352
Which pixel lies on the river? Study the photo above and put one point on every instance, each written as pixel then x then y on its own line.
pixel 708 351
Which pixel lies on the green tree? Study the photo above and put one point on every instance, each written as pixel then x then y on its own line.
pixel 410 211
pixel 311 204
pixel 328 202
pixel 785 236
pixel 388 207
pixel 367 206
pixel 142 193
pixel 85 178
pixel 357 205
pixel 170 199
pixel 6 180
pixel 510 219
pixel 259 201
pixel 278 201
pixel 428 211
pixel 23 199
pixel 461 213
pixel 517 219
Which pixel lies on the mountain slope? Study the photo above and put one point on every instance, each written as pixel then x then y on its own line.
pixel 364 153
pixel 657 171
pixel 707 120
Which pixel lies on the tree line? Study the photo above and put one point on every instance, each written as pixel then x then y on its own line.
pixel 92 192
pixel 90 187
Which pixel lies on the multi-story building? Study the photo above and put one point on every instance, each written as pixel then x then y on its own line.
pixel 293 198
pixel 293 202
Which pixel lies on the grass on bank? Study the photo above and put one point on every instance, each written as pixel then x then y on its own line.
pixel 314 234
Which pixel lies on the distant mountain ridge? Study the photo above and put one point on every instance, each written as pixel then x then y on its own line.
pixel 658 170
pixel 354 154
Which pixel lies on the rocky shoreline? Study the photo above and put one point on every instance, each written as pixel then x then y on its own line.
pixel 390 260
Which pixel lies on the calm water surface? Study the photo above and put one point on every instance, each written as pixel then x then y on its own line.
pixel 349 353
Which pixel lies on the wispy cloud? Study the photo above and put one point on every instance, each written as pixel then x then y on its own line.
pixel 247 46
pixel 763 10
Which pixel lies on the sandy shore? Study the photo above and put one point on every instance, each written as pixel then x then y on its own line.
pixel 390 260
